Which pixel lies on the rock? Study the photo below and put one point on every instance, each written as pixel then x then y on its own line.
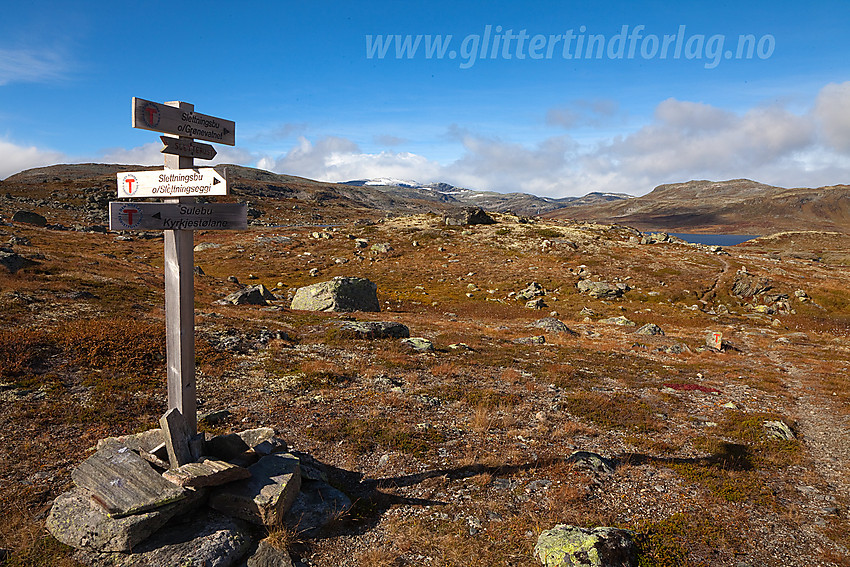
pixel 601 290
pixel 29 217
pixel 591 461
pixel 175 431
pixel 375 329
pixel 233 279
pixel 655 238
pixel 214 417
pixel 317 505
pixel 714 340
pixel 232 445
pixel 361 243
pixel 468 216
pixel 747 285
pixel 205 472
pixel 338 294
pixel 265 497
pixel 208 540
pixel 77 521
pixel 381 248
pixel 621 320
pixel 267 555
pixel 13 261
pixel 418 344
pixel 314 272
pixel 779 430
pixel 536 303
pixel 123 483
pixel 533 290
pixel 199 271
pixel 553 325
pixel 650 329
pixel 206 246
pixel 538 340
pixel 148 440
pixel 571 546
pixel 250 295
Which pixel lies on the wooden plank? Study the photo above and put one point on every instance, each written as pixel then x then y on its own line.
pixel 180 306
pixel 176 433
pixel 122 482
pixel 189 182
pixel 180 120
pixel 187 148
pixel 177 216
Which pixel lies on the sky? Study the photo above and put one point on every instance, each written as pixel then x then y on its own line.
pixel 554 98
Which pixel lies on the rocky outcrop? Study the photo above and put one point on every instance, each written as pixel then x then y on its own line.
pixel 339 294
pixel 250 295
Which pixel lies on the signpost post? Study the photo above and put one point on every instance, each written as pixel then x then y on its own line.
pixel 178 184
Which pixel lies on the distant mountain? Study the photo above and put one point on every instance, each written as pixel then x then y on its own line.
pixel 735 206
pixel 519 203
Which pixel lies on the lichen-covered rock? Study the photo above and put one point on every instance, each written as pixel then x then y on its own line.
pixel 650 329
pixel 591 462
pixel 571 546
pixel 748 285
pixel 418 344
pixel 339 294
pixel 533 290
pixel 600 290
pixel 621 320
pixel 779 430
pixel 375 329
pixel 250 295
pixel 553 325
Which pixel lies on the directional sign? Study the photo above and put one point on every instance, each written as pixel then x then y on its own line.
pixel 171 120
pixel 187 148
pixel 171 183
pixel 177 216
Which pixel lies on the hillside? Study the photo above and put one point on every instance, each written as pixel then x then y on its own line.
pixel 562 376
pixel 739 206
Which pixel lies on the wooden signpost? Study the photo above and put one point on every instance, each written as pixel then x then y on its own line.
pixel 178 217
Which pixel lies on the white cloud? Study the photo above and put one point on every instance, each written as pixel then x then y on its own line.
pixel 683 140
pixel 15 158
pixel 29 66
pixel 832 110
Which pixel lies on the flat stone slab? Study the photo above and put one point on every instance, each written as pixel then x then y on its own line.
pixel 205 472
pixel 77 521
pixel 122 482
pixel 210 540
pixel 265 497
pixel 269 556
pixel 148 440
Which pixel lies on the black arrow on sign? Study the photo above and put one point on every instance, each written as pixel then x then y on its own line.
pixel 157 216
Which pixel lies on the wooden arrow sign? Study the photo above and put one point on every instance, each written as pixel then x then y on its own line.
pixel 187 148
pixel 158 117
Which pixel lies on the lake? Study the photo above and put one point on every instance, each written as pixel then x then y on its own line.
pixel 714 239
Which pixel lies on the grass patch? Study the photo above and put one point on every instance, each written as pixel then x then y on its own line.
pixel 668 543
pixel 365 435
pixel 621 411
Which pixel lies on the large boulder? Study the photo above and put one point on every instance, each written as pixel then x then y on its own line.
pixel 29 217
pixel 339 294
pixel 747 285
pixel 553 325
pixel 571 546
pixel 250 295
pixel 601 290
pixel 467 216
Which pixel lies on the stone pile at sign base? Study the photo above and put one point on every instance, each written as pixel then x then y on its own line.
pixel 126 509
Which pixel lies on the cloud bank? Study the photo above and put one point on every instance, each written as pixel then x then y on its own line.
pixel 683 140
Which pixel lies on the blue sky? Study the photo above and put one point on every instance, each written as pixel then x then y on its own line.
pixel 309 100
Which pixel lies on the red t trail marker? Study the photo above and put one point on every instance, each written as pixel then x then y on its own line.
pixel 178 216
